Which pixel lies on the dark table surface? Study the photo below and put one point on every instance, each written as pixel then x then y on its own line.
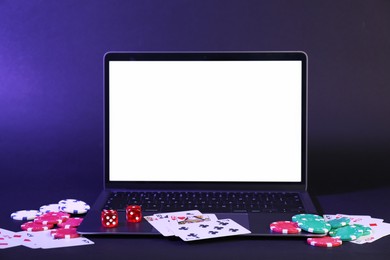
pixel 365 202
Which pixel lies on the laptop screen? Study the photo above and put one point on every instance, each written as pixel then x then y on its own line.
pixel 205 120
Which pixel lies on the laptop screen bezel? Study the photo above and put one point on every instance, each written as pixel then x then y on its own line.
pixel 200 56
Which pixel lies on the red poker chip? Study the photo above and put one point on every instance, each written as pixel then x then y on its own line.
pixel 34 227
pixel 65 233
pixel 325 241
pixel 71 223
pixel 52 218
pixel 59 214
pixel 285 227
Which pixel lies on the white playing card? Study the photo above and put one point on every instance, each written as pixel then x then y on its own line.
pixel 378 231
pixel 159 224
pixel 44 240
pixel 361 219
pixel 191 220
pixel 210 229
pixel 31 239
pixel 8 239
pixel 57 243
pixel 161 221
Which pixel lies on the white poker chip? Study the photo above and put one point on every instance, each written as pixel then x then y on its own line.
pixel 73 206
pixel 25 215
pixel 50 208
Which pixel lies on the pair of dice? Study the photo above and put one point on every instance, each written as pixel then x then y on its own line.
pixel 109 217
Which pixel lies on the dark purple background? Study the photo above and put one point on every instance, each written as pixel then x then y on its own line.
pixel 51 79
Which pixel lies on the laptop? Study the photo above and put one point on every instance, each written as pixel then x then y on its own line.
pixel 212 125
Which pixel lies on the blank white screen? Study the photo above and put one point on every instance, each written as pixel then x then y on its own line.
pixel 205 121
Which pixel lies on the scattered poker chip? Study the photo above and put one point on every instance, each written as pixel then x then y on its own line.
pixel 347 233
pixel 339 222
pixel 70 223
pixel 285 227
pixel 325 241
pixel 52 218
pixel 65 233
pixel 316 226
pixel 73 206
pixel 305 217
pixel 25 215
pixel 49 208
pixel 366 230
pixel 34 227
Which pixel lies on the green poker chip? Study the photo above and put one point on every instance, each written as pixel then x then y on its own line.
pixel 306 217
pixel 366 230
pixel 347 233
pixel 339 222
pixel 317 226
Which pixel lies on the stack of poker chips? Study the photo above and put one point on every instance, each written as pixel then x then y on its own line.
pixel 336 231
pixel 52 216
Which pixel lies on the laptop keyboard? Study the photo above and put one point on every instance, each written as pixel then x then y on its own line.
pixel 208 202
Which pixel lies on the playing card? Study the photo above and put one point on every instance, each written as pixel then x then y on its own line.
pixel 8 239
pixel 362 220
pixel 378 231
pixel 57 243
pixel 161 221
pixel 33 239
pixel 160 225
pixel 210 229
pixel 191 219
pixel 44 240
pixel 25 239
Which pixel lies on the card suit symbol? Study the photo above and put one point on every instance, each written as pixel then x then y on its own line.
pixel 233 229
pixel 218 228
pixel 213 232
pixel 183 228
pixel 203 226
pixel 223 223
pixel 193 235
pixel 181 218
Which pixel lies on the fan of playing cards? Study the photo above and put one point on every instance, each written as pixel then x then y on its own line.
pixel 375 228
pixel 193 225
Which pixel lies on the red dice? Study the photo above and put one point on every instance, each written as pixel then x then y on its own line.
pixel 133 213
pixel 109 218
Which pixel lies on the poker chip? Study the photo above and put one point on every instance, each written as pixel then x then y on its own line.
pixel 25 215
pixel 317 226
pixel 305 217
pixel 285 227
pixel 366 230
pixel 52 218
pixel 340 222
pixel 325 241
pixel 70 223
pixel 347 233
pixel 34 227
pixel 65 233
pixel 73 206
pixel 49 208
